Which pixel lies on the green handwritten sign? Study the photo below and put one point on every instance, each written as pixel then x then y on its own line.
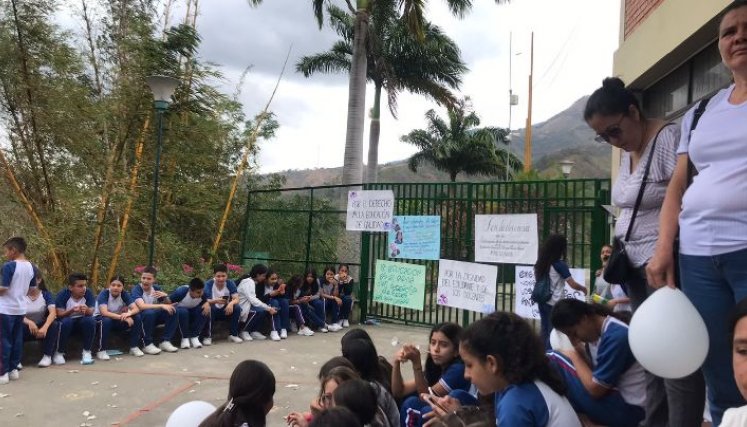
pixel 400 284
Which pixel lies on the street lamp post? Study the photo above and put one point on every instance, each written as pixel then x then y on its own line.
pixel 566 166
pixel 163 88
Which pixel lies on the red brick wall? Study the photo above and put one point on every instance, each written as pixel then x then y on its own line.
pixel 636 12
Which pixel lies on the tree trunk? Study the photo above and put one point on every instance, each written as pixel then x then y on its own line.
pixel 373 138
pixel 352 171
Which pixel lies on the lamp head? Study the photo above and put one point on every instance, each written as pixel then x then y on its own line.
pixel 163 88
pixel 566 166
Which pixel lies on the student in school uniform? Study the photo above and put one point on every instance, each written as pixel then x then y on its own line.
pixel 155 309
pixel 75 306
pixel 117 311
pixel 345 292
pixel 299 306
pixel 253 309
pixel 313 287
pixel 17 276
pixel 610 388
pixel 332 301
pixel 273 295
pixel 40 321
pixel 193 311
pixel 223 298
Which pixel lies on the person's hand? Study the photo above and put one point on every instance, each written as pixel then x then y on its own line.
pixel 296 419
pixel 441 406
pixel 411 353
pixel 76 309
pixel 272 310
pixel 125 315
pixel 660 269
pixel 129 321
pixel 338 300
pixel 229 309
pixel 399 356
pixel 206 309
pixel 40 333
pixel 33 328
pixel 168 308
pixel 305 299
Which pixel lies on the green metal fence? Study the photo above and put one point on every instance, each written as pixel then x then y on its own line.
pixel 294 229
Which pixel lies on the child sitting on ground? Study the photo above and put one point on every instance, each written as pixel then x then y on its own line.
pixel 332 301
pixel 75 307
pixel 299 304
pixel 193 311
pixel 155 309
pixel 223 298
pixel 253 309
pixel 116 310
pixel 345 293
pixel 40 321
pixel 275 299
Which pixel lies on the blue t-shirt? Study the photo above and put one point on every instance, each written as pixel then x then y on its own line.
pixel 453 378
pixel 114 305
pixel 139 293
pixel 65 301
pixel 533 404
pixel 615 366
pixel 182 298
pixel 230 285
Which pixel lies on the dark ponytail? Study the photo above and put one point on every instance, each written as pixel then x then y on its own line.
pixel 250 394
pixel 611 99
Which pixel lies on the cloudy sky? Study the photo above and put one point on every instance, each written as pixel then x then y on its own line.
pixel 572 56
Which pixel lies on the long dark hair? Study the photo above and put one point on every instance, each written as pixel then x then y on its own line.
pixel 384 366
pixel 360 397
pixel 250 393
pixel 256 270
pixel 452 331
pixel 519 351
pixel 334 417
pixel 553 249
pixel 362 354
pixel 611 99
pixel 569 312
pixel 295 283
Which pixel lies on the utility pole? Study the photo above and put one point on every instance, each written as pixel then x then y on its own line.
pixel 528 137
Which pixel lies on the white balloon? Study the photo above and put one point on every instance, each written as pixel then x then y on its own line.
pixel 667 335
pixel 190 414
pixel 559 340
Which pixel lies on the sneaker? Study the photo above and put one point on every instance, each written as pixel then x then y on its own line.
pixel 323 329
pixel 235 339
pixel 19 367
pixel 151 349
pixel 185 343
pixel 345 323
pixel 305 331
pixel 195 342
pixel 258 336
pixel 207 341
pixel 334 327
pixel 283 334
pixel 274 336
pixel 135 351
pixel 168 347
pixel 102 355
pixel 45 362
pixel 58 359
pixel 4 379
pixel 246 336
pixel 14 375
pixel 87 358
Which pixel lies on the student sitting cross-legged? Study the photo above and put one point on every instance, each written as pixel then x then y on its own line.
pixel 75 310
pixel 193 311
pixel 299 298
pixel 155 309
pixel 274 296
pixel 40 321
pixel 117 311
pixel 223 298
pixel 253 309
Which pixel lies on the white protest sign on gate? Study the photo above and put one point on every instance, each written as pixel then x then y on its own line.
pixel 467 285
pixel 524 306
pixel 506 239
pixel 370 210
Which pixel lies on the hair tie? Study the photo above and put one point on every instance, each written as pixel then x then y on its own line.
pixel 229 406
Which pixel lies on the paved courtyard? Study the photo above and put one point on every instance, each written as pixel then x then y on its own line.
pixel 144 391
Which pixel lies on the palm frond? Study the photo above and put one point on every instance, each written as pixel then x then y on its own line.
pixel 326 62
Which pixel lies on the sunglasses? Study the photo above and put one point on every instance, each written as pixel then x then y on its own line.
pixel 614 131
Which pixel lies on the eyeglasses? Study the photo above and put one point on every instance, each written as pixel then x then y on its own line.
pixel 614 131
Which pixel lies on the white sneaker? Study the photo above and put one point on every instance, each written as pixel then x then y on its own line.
pixel 185 343
pixel 334 327
pixel 86 358
pixel 258 336
pixel 168 347
pixel 4 379
pixel 305 331
pixel 235 339
pixel 151 349
pixel 345 323
pixel 207 341
pixel 246 336
pixel 58 358
pixel 102 355
pixel 274 336
pixel 195 342
pixel 283 334
pixel 324 329
pixel 44 362
pixel 135 351
pixel 14 375
pixel 19 367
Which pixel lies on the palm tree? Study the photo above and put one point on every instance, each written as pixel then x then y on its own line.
pixel 397 62
pixel 460 146
pixel 412 12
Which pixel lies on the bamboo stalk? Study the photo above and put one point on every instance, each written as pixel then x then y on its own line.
pixel 132 192
pixel 245 160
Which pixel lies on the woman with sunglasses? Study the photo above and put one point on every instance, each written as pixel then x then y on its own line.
pixel 615 114
pixel 712 211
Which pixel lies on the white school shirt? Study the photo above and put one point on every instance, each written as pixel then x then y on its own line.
pixel 713 220
pixel 114 305
pixel 189 301
pixel 72 302
pixel 13 302
pixel 149 297
pixel 220 293
pixel 36 309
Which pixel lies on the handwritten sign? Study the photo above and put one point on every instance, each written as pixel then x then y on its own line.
pixel 400 284
pixel 467 285
pixel 370 210
pixel 415 237
pixel 524 306
pixel 507 239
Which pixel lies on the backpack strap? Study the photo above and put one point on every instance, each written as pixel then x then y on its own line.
pixel 691 171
